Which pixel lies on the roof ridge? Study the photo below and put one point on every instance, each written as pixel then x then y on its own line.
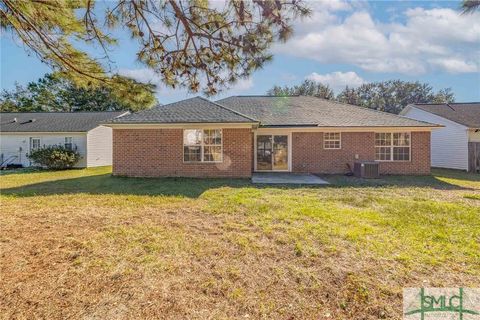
pixel 165 105
pixel 236 112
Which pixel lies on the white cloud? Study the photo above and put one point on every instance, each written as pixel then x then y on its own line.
pixel 455 65
pixel 144 75
pixel 242 85
pixel 428 39
pixel 330 5
pixel 338 80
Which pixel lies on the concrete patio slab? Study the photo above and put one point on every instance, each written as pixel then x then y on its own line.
pixel 286 178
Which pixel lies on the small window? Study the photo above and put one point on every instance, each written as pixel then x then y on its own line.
pixel 332 140
pixel 34 144
pixel 68 143
pixel 392 146
pixel 202 145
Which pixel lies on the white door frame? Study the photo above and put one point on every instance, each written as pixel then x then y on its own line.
pixel 264 132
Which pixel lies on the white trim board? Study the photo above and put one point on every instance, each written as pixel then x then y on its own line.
pixel 262 129
pixel 349 129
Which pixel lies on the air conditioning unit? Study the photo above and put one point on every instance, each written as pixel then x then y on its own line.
pixel 366 169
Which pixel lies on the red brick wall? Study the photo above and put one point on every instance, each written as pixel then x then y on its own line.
pixel 159 152
pixel 308 154
pixel 420 158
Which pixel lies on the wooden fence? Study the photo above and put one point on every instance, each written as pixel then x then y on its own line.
pixel 474 157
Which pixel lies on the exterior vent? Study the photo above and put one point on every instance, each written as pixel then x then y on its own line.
pixel 366 169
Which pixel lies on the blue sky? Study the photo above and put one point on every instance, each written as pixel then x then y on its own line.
pixel 343 43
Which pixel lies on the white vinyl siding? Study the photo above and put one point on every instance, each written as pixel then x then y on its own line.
pixel 449 145
pixel 99 147
pixel 18 145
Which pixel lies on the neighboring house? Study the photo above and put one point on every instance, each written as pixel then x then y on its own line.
pixel 457 145
pixel 239 135
pixel 22 132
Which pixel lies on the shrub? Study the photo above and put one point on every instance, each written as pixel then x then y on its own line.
pixel 54 157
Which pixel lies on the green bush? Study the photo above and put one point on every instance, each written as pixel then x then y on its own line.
pixel 54 157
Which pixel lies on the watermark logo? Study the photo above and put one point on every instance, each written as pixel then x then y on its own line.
pixel 441 303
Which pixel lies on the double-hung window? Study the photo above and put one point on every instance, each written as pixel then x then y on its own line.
pixel 34 143
pixel 392 146
pixel 332 140
pixel 202 145
pixel 68 143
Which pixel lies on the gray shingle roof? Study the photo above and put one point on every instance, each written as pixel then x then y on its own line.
pixel 193 110
pixel 53 121
pixel 311 111
pixel 467 114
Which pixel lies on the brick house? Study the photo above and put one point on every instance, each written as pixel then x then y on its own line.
pixel 239 135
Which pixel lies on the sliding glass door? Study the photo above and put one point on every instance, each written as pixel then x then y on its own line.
pixel 264 153
pixel 272 153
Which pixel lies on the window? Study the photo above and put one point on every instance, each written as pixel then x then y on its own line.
pixel 34 144
pixel 68 143
pixel 332 140
pixel 392 146
pixel 202 145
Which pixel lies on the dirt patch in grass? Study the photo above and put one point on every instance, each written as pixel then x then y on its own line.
pixel 236 251
pixel 92 260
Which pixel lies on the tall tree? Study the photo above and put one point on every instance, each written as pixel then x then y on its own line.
pixel 306 88
pixel 394 95
pixel 349 95
pixel 445 95
pixel 56 93
pixel 189 43
pixel 470 6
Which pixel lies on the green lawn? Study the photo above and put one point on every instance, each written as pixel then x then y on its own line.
pixel 84 244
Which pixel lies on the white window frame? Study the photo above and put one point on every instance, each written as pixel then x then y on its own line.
pixel 273 132
pixel 202 146
pixel 392 146
pixel 325 140
pixel 65 142
pixel 39 143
